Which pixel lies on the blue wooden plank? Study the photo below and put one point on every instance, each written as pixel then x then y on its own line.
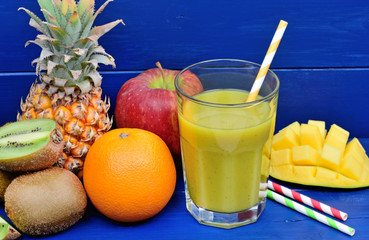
pixel 179 33
pixel 174 222
pixel 332 95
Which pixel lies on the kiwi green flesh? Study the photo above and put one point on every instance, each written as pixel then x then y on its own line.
pixel 7 231
pixel 25 137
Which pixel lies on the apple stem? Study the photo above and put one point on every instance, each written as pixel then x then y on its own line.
pixel 162 74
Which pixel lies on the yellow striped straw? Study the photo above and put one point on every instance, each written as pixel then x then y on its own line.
pixel 267 61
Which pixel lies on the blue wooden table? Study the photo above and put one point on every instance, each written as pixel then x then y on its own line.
pixel 322 62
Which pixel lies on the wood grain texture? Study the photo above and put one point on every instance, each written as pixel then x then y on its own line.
pixel 178 33
pixel 332 95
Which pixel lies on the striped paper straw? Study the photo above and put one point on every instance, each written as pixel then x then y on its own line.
pixel 307 200
pixel 267 61
pixel 310 213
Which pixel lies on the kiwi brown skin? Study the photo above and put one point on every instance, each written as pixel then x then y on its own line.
pixel 5 180
pixel 41 159
pixel 45 202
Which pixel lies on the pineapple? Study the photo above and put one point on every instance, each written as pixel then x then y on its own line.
pixel 68 88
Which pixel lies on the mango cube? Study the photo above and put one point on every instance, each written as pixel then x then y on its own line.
pixel 354 147
pixel 339 163
pixel 305 172
pixel 330 157
pixel 310 135
pixel 285 139
pixel 281 157
pixel 281 171
pixel 305 155
pixel 337 128
pixel 324 174
pixel 345 180
pixel 337 137
pixel 351 167
pixel 321 127
pixel 295 126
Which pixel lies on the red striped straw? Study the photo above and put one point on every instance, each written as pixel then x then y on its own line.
pixel 308 201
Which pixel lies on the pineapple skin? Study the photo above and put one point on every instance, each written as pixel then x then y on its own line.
pixel 82 118
pixel 68 87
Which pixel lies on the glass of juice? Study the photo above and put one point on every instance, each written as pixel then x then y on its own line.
pixel 226 142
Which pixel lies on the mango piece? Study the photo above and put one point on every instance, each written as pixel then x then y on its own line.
pixel 326 174
pixel 364 175
pixel 351 167
pixel 281 157
pixel 310 135
pixel 305 172
pixel 283 172
pixel 354 147
pixel 337 137
pixel 330 157
pixel 342 180
pixel 295 126
pixel 321 127
pixel 305 155
pixel 342 131
pixel 285 139
pixel 338 164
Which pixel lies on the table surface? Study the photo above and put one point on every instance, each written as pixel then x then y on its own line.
pixel 174 222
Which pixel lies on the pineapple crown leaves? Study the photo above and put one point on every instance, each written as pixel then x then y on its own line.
pixel 70 52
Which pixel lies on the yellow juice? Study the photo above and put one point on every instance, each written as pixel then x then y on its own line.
pixel 222 150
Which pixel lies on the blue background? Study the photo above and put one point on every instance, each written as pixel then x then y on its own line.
pixel 322 62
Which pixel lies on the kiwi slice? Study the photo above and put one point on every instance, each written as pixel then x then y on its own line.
pixel 30 145
pixel 45 202
pixel 8 232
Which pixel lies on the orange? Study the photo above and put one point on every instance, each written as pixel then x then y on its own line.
pixel 129 174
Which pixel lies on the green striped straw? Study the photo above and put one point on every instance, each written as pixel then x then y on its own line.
pixel 310 213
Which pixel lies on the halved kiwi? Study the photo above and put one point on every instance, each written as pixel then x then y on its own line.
pixel 30 145
pixel 7 231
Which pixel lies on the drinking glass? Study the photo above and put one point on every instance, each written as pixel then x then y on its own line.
pixel 225 142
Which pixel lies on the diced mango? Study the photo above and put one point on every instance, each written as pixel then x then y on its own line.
pixel 335 141
pixel 330 157
pixel 326 174
pixel 281 157
pixel 321 126
pixel 364 175
pixel 339 164
pixel 284 172
pixel 295 126
pixel 310 135
pixel 337 137
pixel 339 131
pixel 351 167
pixel 285 139
pixel 345 180
pixel 354 147
pixel 305 155
pixel 305 172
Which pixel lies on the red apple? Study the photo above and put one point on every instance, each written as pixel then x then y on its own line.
pixel 149 102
